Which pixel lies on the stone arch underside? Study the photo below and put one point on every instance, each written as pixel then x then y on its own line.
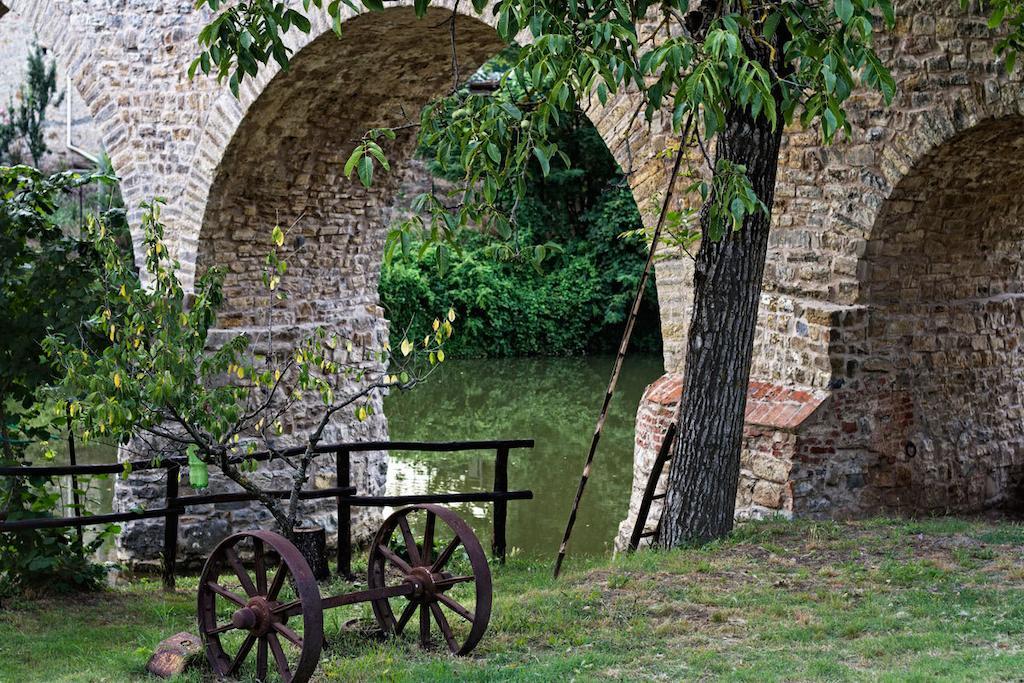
pixel 284 166
pixel 927 415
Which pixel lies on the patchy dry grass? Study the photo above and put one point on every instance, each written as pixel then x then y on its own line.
pixel 873 600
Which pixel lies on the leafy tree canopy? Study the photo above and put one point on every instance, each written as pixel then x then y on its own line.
pixel 705 61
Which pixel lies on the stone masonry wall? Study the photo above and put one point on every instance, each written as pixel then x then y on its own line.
pixel 893 286
pixel 231 168
pixel 774 417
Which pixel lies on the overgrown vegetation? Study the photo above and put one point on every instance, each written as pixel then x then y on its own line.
pixel 881 599
pixel 48 285
pixel 570 301
pixel 49 279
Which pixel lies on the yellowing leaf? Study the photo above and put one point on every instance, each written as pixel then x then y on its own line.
pixel 406 347
pixel 241 373
pixel 437 324
pixel 440 356
pixel 117 380
pixel 451 315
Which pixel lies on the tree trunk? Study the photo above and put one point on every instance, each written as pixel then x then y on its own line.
pixel 727 288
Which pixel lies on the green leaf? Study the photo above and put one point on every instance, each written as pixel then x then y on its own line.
pixel 353 160
pixel 844 10
pixel 997 16
pixel 366 171
pixel 442 260
pixel 542 157
pixel 493 152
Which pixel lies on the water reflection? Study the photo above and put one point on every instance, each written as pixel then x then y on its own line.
pixel 552 400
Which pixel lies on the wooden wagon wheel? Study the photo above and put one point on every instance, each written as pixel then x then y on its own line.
pixel 240 612
pixel 455 580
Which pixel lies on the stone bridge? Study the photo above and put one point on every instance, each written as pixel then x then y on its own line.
pixel 887 373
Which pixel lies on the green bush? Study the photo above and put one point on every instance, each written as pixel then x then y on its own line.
pixel 49 283
pixel 577 305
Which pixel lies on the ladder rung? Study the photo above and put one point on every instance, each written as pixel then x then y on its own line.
pixel 658 496
pixel 648 534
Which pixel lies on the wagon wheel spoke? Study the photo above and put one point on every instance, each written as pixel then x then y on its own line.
pixel 225 593
pixel 288 609
pixel 410 541
pixel 223 628
pixel 279 657
pixel 448 582
pixel 395 559
pixel 445 555
pixel 455 607
pixel 424 626
pixel 243 576
pixel 261 660
pixel 290 635
pixel 260 568
pixel 446 629
pixel 243 652
pixel 278 582
pixel 428 539
pixel 407 613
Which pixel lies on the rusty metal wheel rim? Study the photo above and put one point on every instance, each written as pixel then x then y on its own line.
pixel 260 613
pixel 431 581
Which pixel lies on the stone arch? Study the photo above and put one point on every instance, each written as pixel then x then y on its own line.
pixel 275 156
pixel 634 146
pixel 937 370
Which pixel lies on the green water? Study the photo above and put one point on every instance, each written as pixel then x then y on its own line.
pixel 554 401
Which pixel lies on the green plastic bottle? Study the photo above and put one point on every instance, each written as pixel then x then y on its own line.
pixel 198 474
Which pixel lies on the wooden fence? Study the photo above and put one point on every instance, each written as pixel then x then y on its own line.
pixel 346 496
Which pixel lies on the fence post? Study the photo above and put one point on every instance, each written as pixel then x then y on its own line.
pixel 343 468
pixel 501 504
pixel 171 527
pixel 75 499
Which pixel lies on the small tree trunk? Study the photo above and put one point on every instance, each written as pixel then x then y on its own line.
pixel 727 289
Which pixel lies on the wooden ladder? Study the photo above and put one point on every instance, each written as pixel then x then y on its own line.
pixel 649 495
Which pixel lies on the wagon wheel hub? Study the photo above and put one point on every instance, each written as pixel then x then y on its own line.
pixel 255 616
pixel 423 583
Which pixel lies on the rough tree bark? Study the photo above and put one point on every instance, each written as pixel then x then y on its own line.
pixel 705 466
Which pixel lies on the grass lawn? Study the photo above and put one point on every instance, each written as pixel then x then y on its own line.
pixel 873 600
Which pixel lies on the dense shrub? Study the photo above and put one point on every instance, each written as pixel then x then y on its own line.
pixel 576 304
pixel 49 283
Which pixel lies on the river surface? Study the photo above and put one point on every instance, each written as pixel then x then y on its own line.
pixel 554 401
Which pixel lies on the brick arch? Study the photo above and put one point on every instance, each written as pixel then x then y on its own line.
pixel 276 155
pixel 57 27
pixel 934 361
pixel 634 146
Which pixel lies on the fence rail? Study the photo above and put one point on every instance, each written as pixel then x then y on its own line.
pixel 345 495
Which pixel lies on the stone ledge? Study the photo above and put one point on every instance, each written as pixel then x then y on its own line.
pixel 768 404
